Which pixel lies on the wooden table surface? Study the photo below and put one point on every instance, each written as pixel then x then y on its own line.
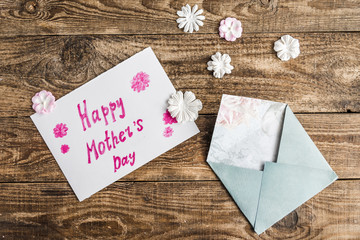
pixel 60 45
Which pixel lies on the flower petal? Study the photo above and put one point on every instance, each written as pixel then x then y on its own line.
pixel 195 26
pixel 187 27
pixel 180 13
pixel 200 17
pixel 194 9
pixel 189 97
pixel 199 12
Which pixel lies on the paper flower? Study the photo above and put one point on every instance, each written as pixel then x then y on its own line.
pixel 230 29
pixel 60 130
pixel 287 47
pixel 65 148
pixel 184 107
pixel 140 81
pixel 43 102
pixel 220 64
pixel 190 19
pixel 168 132
pixel 168 119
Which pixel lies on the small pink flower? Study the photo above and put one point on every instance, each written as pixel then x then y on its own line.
pixel 168 132
pixel 140 81
pixel 65 148
pixel 60 130
pixel 43 102
pixel 230 29
pixel 168 119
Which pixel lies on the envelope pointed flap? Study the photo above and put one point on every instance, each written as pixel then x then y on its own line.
pixel 296 147
pixel 284 188
pixel 242 184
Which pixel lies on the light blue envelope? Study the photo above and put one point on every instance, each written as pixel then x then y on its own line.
pixel 265 159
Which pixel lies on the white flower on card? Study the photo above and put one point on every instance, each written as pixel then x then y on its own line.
pixel 220 64
pixel 287 47
pixel 190 19
pixel 184 107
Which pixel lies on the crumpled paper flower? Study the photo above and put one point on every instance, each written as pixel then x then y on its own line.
pixel 140 82
pixel 220 64
pixel 60 130
pixel 287 47
pixel 190 19
pixel 43 102
pixel 184 107
pixel 230 29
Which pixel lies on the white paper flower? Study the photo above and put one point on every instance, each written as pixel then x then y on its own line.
pixel 190 19
pixel 287 47
pixel 220 64
pixel 184 107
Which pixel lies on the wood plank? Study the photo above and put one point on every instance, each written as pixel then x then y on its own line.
pixel 166 210
pixel 39 17
pixel 324 78
pixel 24 156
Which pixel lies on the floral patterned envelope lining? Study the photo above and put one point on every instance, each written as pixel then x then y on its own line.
pixel 265 159
pixel 250 131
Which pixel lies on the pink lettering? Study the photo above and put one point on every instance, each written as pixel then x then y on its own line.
pixel 121 136
pixel 105 111
pixel 130 133
pixel 138 122
pixel 119 103
pixel 107 140
pixel 133 158
pixel 84 116
pixel 121 162
pixel 101 147
pixel 89 150
pixel 115 140
pixel 117 163
pixel 95 116
pixel 112 109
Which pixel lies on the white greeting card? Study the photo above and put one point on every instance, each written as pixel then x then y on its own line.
pixel 113 124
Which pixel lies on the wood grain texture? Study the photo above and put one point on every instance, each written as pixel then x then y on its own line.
pixel 25 157
pixel 55 17
pixel 324 78
pixel 163 210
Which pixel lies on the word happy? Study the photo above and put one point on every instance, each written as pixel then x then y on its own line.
pixel 97 117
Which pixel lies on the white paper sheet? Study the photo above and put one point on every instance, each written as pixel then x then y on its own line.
pixel 139 115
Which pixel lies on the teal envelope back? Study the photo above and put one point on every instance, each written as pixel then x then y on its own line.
pixel 265 189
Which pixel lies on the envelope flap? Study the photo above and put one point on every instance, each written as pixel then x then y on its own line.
pixel 296 147
pixel 242 184
pixel 284 188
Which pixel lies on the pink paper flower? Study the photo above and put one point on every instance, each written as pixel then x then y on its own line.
pixel 65 148
pixel 168 119
pixel 230 29
pixel 60 130
pixel 168 132
pixel 140 81
pixel 43 102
